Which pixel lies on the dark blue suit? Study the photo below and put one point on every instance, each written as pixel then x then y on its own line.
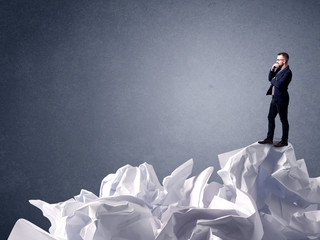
pixel 280 100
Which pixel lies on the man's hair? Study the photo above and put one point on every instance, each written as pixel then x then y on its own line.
pixel 285 55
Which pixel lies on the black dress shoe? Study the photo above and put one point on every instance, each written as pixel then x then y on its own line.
pixel 266 141
pixel 281 144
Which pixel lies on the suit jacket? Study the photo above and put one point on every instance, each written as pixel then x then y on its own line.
pixel 280 80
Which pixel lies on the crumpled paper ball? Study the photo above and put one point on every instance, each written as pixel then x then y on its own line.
pixel 266 194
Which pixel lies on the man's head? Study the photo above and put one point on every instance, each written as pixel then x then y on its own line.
pixel 282 59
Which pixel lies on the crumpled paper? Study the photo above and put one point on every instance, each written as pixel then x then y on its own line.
pixel 266 194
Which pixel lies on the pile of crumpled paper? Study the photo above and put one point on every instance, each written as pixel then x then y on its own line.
pixel 266 194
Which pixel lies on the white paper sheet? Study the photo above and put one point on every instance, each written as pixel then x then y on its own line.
pixel 266 194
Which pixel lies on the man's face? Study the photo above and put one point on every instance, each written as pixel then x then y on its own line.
pixel 280 60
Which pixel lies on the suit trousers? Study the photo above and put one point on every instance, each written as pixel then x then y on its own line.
pixel 281 107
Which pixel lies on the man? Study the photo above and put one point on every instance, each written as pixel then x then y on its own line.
pixel 280 76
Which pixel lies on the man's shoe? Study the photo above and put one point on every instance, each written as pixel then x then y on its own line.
pixel 266 141
pixel 281 144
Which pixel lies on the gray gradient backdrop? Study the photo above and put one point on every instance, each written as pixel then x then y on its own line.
pixel 89 86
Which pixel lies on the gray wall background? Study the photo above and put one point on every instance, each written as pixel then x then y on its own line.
pixel 89 86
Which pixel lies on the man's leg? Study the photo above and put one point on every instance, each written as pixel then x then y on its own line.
pixel 283 113
pixel 273 111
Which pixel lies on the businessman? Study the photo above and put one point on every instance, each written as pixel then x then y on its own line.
pixel 280 76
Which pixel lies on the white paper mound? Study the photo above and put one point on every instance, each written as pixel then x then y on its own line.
pixel 267 194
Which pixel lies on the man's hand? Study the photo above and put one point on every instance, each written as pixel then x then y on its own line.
pixel 276 65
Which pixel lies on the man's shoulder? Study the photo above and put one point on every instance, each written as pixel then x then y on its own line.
pixel 288 69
